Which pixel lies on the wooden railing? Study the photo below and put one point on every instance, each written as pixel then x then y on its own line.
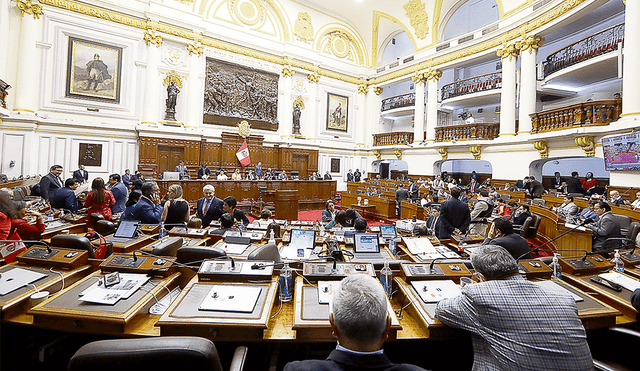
pixel 594 113
pixel 477 131
pixel 472 85
pixel 388 139
pixel 399 101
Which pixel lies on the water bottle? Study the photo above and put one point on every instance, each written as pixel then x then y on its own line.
pixel 618 264
pixel 161 231
pixel 286 283
pixel 557 268
pixel 241 228
pixel 392 246
pixel 386 279
pixel 316 226
pixel 272 237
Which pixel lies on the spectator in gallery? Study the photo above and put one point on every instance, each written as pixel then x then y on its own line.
pixel 65 197
pixel 126 178
pixel 81 174
pixel 357 176
pixel 229 206
pixel 470 119
pixel 327 176
pixel 360 321
pixel 134 197
pixel 203 171
pixel 119 192
pixel 99 200
pixel 258 170
pixel 50 182
pixel 350 176
pixel 329 211
pixel 222 175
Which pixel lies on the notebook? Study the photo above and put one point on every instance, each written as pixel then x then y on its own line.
pixel 366 246
pixel 126 231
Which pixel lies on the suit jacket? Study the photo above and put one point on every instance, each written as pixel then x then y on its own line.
pixel 432 222
pixel 536 189
pixel 65 198
pixel 214 212
pixel 568 209
pixel 327 216
pixel 81 175
pixel 414 191
pixel 401 194
pixel 48 185
pixel 126 180
pixel 327 177
pixel 340 360
pixel 201 172
pixel 239 216
pixel 349 177
pixel 515 244
pixel 258 171
pixel 356 176
pixel 453 214
pixel 518 325
pixel 574 186
pixel 555 182
pixel 520 219
pixel 120 194
pixel 606 227
pixel 147 212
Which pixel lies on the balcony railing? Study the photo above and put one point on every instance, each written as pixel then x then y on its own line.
pixel 471 85
pixel 388 139
pixel 595 113
pixel 592 46
pixel 476 131
pixel 399 101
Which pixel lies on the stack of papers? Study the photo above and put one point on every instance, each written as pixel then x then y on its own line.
pixel 325 291
pixel 129 284
pixel 622 280
pixel 433 291
pixel 557 289
pixel 422 247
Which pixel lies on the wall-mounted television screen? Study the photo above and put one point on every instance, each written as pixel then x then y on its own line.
pixel 622 152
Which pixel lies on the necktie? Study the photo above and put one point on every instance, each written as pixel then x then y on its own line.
pixel 206 206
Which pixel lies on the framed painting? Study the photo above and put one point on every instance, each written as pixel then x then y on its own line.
pixel 335 165
pixel 337 112
pixel 93 71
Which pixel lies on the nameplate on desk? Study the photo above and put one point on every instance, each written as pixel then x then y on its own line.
pixel 316 271
pixel 212 270
pixel 58 257
pixel 534 269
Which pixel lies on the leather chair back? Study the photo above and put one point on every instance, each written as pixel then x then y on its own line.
pixel 71 241
pixel 525 226
pixel 624 222
pixel 93 219
pixel 188 254
pixel 105 227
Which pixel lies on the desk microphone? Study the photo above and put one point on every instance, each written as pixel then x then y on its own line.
pixel 431 265
pixel 553 251
pixel 184 265
pixel 586 221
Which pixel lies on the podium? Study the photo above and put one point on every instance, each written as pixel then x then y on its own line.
pixel 287 204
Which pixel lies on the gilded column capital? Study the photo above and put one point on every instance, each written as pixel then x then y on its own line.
pixel 377 153
pixel 363 89
pixel 444 153
pixel 288 72
pixel 419 78
pixel 433 74
pixel 377 90
pixel 508 51
pixel 587 144
pixel 530 43
pixel 398 153
pixel 476 151
pixel 541 147
pixel 195 49
pixel 26 6
pixel 298 102
pixel 151 38
pixel 313 78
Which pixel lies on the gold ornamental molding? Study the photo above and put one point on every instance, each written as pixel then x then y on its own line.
pixel 587 144
pixel 363 89
pixel 298 102
pixel 313 78
pixel 398 153
pixel 26 6
pixel 530 43
pixel 152 39
pixel 378 90
pixel 288 72
pixel 508 51
pixel 303 29
pixel 433 74
pixel 185 1
pixel 476 151
pixel 173 76
pixel 244 128
pixel 378 154
pixel 419 78
pixel 418 17
pixel 195 49
pixel 444 153
pixel 541 147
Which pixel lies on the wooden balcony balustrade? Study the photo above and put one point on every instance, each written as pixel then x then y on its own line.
pixel 594 113
pixel 389 139
pixel 476 131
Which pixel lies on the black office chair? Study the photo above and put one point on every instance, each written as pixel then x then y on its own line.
pixel 71 241
pixel 158 353
pixel 626 242
pixel 614 348
pixel 189 254
pixel 105 227
pixel 275 227
pixel 624 222
pixel 94 218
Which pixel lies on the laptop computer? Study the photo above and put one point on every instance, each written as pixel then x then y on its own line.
pixel 301 244
pixel 126 231
pixel 366 246
pixel 387 232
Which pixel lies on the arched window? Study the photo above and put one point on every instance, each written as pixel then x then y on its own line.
pixel 468 17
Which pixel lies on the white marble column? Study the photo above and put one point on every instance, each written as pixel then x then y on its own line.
pixel 5 6
pixel 28 68
pixel 311 110
pixel 194 91
pixel 374 107
pixel 151 106
pixel 418 114
pixel 509 56
pixel 528 85
pixel 361 114
pixel 286 120
pixel 433 76
pixel 631 68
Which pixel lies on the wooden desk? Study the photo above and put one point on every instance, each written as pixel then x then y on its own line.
pixel 367 212
pixel 619 300
pixel 71 228
pixel 551 226
pixel 129 246
pixel 384 208
pixel 409 209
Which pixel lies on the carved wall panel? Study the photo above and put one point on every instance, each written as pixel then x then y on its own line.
pixel 233 93
pixel 90 154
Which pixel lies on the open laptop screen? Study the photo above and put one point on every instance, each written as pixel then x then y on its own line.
pixel 366 243
pixel 388 231
pixel 127 229
pixel 303 238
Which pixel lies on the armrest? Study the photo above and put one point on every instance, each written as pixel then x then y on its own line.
pixel 239 358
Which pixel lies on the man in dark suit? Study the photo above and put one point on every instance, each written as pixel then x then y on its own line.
pixel 401 195
pixel 204 172
pixel 454 216
pixel 81 174
pixel 501 234
pixel 473 186
pixel 126 178
pixel 50 182
pixel 432 221
pixel 119 193
pixel 414 191
pixel 327 176
pixel 556 181
pixel 360 321
pixel 357 175
pixel 574 185
pixel 209 208
pixel 521 214
pixel 606 226
pixel 65 197
pixel 535 187
pixel 148 209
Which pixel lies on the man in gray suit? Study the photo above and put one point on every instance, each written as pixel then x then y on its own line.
pixel 606 226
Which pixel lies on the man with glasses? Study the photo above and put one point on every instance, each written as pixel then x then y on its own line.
pixel 148 209
pixel 606 226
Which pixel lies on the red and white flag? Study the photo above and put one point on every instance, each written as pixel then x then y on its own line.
pixel 243 154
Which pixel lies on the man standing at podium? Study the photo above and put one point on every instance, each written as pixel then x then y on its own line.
pixel 516 324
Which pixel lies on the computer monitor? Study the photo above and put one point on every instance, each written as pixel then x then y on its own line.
pixel 171 175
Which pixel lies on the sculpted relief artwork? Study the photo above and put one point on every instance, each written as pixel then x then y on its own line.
pixel 233 93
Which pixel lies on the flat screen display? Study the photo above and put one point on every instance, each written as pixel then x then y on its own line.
pixel 622 152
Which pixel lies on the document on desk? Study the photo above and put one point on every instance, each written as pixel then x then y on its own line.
pixel 433 291
pixel 234 248
pixel 129 284
pixel 557 289
pixel 622 280
pixel 422 247
pixel 54 224
pixel 231 298
pixel 325 291
pixel 291 253
pixel 16 278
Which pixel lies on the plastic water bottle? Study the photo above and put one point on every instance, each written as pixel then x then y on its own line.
pixel 386 279
pixel 557 268
pixel 161 231
pixel 286 283
pixel 272 237
pixel 392 246
pixel 618 264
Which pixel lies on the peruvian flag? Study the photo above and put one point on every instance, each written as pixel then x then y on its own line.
pixel 243 154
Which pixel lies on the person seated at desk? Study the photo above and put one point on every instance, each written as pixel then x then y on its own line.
pixel 636 203
pixel 327 176
pixel 252 175
pixel 269 174
pixel 501 234
pixel 587 212
pixel 229 206
pixel 209 208
pixel 236 175
pixel 520 215
pixel 568 207
pixel 99 200
pixel 119 192
pixel 134 197
pixel 222 175
pixel 340 220
pixel 606 226
pixel 329 211
pixel 26 230
pixel 313 176
pixel 176 208
pixel 203 171
pixel 283 175
pixel 148 209
pixel 589 183
pixel 502 209
pixel 352 215
pixel 556 181
pixel 266 217
pixel 65 197
pixel 514 323
pixel 360 321
pixel 359 225
pixel 432 220
pixel 194 223
pixel 616 199
pixel 226 224
pixel 182 170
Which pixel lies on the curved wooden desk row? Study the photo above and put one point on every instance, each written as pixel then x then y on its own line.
pixel 553 200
